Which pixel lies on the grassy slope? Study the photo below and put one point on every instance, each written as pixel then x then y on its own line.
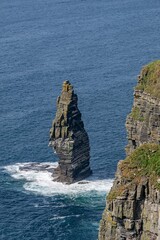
pixel 144 161
pixel 149 79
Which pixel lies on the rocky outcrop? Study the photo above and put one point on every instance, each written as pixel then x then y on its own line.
pixel 133 203
pixel 143 123
pixel 133 208
pixel 69 139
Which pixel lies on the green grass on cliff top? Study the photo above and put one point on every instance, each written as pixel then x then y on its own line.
pixel 143 162
pixel 149 79
pixel 146 159
pixel 136 114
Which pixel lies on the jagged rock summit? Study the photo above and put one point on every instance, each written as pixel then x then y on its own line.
pixel 69 139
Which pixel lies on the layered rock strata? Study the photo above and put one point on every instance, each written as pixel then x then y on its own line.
pixel 69 139
pixel 143 123
pixel 133 203
pixel 133 207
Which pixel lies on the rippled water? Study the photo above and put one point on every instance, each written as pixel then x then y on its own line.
pixel 98 45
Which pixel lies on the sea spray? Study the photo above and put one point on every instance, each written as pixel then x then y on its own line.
pixel 38 179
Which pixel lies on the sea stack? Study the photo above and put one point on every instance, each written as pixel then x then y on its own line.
pixel 69 139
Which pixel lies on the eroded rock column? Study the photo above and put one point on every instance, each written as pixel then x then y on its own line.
pixel 69 139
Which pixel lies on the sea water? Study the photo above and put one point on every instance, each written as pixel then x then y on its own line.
pixel 100 46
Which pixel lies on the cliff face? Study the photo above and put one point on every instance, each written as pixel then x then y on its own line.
pixel 133 204
pixel 143 123
pixel 69 138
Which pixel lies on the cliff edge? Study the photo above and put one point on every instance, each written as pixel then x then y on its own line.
pixel 143 123
pixel 69 139
pixel 133 204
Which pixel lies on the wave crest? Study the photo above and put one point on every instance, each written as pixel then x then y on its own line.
pixel 38 178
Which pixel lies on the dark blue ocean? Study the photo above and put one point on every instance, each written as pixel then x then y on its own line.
pixel 100 46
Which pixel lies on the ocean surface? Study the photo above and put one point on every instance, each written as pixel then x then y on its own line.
pixel 100 46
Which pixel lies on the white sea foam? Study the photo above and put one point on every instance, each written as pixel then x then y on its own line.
pixel 64 217
pixel 38 178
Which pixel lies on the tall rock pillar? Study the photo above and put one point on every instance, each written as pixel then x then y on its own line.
pixel 69 139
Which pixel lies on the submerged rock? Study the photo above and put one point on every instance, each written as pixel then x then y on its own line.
pixel 69 139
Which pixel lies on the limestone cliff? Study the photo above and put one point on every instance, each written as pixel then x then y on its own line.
pixel 133 204
pixel 143 123
pixel 69 139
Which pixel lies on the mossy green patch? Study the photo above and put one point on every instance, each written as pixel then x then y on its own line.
pixel 109 219
pixel 115 193
pixel 149 80
pixel 144 161
pixel 136 114
pixel 146 158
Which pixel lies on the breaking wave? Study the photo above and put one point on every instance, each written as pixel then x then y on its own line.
pixel 38 178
